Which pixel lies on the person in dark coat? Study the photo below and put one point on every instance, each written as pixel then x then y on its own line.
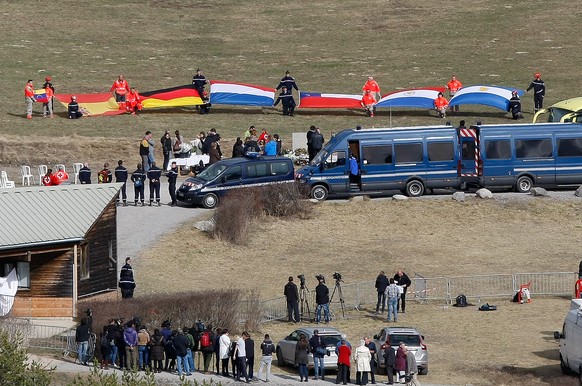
pixel 250 352
pixel 279 144
pixel 514 106
pixel 166 141
pixel 288 102
pixel 315 143
pixel 252 145
pixel 181 344
pixel 400 363
pixel 82 334
pixel 389 361
pixel 288 83
pixel 73 109
pixel 138 178
pixel 292 295
pixel 121 176
pixel 104 348
pixel 381 284
pixel 126 280
pixel 214 154
pixel 402 280
pixel 238 149
pixel 212 137
pixel 539 88
pixel 85 174
pixel 301 359
pixel 157 351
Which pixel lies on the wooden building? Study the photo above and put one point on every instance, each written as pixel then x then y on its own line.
pixel 62 240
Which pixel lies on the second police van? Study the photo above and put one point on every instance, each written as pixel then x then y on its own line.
pixel 418 159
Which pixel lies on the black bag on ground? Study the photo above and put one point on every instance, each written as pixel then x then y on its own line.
pixel 487 307
pixel 461 301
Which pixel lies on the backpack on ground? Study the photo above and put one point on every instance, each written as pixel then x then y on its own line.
pixel 487 307
pixel 461 301
pixel 205 339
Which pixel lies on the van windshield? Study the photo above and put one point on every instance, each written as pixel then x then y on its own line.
pixel 319 157
pixel 557 114
pixel 211 172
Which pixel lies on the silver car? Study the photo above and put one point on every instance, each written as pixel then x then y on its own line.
pixel 411 338
pixel 286 346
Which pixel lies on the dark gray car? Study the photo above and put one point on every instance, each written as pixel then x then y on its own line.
pixel 286 346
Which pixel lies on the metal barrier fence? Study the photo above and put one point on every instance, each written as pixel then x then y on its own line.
pixel 445 289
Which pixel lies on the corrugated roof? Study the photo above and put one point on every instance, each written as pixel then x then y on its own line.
pixel 46 214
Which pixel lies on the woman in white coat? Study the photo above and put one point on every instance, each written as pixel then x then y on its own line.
pixel 224 351
pixel 362 358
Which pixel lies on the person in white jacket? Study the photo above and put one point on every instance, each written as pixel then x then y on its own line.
pixel 362 358
pixel 224 351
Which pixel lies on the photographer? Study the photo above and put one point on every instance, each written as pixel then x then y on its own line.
pixel 322 299
pixel 292 296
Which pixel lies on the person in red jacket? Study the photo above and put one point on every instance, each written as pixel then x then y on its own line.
pixel 119 89
pixel 440 104
pixel 47 179
pixel 373 87
pixel 453 86
pixel 29 98
pixel 343 362
pixel 133 101
pixel 368 102
pixel 59 177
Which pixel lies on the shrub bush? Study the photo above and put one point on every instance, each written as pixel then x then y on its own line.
pixel 14 366
pixel 285 200
pixel 220 308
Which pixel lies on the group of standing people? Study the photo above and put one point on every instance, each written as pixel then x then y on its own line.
pixel 392 293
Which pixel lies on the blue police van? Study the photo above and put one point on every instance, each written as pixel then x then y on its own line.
pixel 253 170
pixel 416 159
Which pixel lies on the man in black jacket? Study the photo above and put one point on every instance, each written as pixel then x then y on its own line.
pixel 389 361
pixel 318 349
pixel 381 284
pixel 315 143
pixel 82 340
pixel 292 295
pixel 166 142
pixel 322 300
pixel 121 176
pixel 172 176
pixel 181 344
pixel 85 174
pixel 287 100
pixel 154 175
pixel 402 280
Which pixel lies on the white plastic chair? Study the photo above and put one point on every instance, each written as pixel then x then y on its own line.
pixel 26 175
pixel 76 168
pixel 42 171
pixel 5 182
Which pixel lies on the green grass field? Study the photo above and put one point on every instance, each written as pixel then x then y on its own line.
pixel 329 46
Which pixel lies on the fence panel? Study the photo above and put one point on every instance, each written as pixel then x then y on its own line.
pixel 424 289
pixel 547 283
pixel 481 286
pixel 274 309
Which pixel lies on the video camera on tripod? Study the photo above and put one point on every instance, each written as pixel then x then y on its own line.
pixel 301 280
pixel 337 276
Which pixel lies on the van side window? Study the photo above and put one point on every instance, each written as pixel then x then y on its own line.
pixel 440 151
pixel 408 152
pixel 533 148
pixel 337 158
pixel 377 155
pixel 570 147
pixel 279 168
pixel 233 173
pixel 499 149
pixel 257 170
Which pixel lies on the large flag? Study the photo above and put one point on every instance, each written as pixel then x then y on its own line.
pixel 495 96
pixel 8 289
pixel 229 93
pixel 313 100
pixel 171 97
pixel 93 104
pixel 40 95
pixel 418 97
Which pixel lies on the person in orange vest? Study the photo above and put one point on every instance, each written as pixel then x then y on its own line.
pixel 374 88
pixel 120 88
pixel 47 107
pixel 441 103
pixel 29 98
pixel 453 86
pixel 133 101
pixel 368 102
pixel 47 179
pixel 59 177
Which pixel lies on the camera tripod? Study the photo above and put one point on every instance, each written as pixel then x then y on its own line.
pixel 304 302
pixel 338 288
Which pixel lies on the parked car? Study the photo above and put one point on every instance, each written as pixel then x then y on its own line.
pixel 235 173
pixel 411 338
pixel 571 340
pixel 286 346
pixel 569 110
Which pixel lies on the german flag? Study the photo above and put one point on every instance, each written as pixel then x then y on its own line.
pixel 171 97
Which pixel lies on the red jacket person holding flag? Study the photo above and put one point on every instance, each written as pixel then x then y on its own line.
pixel 119 89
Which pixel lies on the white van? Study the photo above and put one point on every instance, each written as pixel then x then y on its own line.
pixel 571 340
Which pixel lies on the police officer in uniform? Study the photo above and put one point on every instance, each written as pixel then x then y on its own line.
pixel 539 91
pixel 172 176
pixel 199 81
pixel 287 101
pixel 154 175
pixel 138 177
pixel 289 82
pixel 121 176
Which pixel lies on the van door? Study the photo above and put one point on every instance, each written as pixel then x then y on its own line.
pixel 409 161
pixel 470 156
pixel 334 171
pixel 231 178
pixel 376 165
pixel 441 153
pixel 534 156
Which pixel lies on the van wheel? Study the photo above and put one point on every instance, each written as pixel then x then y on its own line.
pixel 280 361
pixel 319 192
pixel 210 201
pixel 524 184
pixel 414 188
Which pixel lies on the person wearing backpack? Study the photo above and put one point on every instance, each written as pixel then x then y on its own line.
pixel 207 348
pixel 138 177
pixel 104 176
pixel 267 350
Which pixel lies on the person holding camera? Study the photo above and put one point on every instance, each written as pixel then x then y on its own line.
pixel 322 300
pixel 292 295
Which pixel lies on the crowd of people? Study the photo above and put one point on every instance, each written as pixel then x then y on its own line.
pixel 129 99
